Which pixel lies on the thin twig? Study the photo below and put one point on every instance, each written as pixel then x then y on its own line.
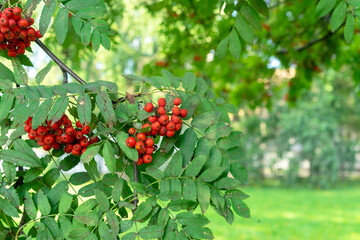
pixel 63 67
pixel 136 179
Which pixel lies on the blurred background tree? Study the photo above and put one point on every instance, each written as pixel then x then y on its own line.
pixel 295 79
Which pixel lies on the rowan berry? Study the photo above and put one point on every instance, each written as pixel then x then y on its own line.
pixel 176 111
pixel 41 131
pixel 155 126
pixel 84 142
pixel 59 139
pixel 46 147
pixel 139 145
pixel 170 133
pixel 70 131
pixel 94 140
pixel 130 142
pixel 17 11
pixel 41 143
pixel 154 132
pixel 140 161
pixel 77 147
pixel 83 150
pixel 27 128
pixel 3 22
pixel 162 102
pixel 177 101
pixel 141 136
pixel 183 113
pixel 149 107
pixel 132 131
pixel 163 131
pixel 175 119
pixel 79 135
pixel 31 135
pixel 23 23
pixel 164 119
pixel 78 124
pixel 55 145
pixel 178 126
pixel 55 126
pixel 161 110
pixel 147 158
pixel 11 23
pixel 152 119
pixel 149 142
pixel 48 139
pixel 75 152
pixel 86 130
pixel 149 150
pixel 170 126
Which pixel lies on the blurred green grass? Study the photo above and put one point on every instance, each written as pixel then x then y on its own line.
pixel 292 214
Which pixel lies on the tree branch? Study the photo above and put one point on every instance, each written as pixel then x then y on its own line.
pixel 136 179
pixel 65 69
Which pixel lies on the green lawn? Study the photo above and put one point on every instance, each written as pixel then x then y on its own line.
pixel 302 214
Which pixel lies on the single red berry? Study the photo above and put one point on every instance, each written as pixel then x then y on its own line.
pixel 178 126
pixel 78 124
pixel 86 130
pixel 23 23
pixel 84 142
pixel 132 131
pixel 46 147
pixel 141 151
pixel 30 21
pixel 12 53
pixel 63 120
pixel 130 142
pixel 8 12
pixel 31 135
pixel 27 128
pixel 162 131
pixel 75 152
pixel 59 139
pixel 161 110
pixel 149 107
pixel 58 132
pixel 146 125
pixel 66 138
pixel 175 119
pixel 68 148
pixel 152 119
pixel 139 145
pixel 162 102
pixel 154 132
pixel 177 101
pixel 155 126
pixel 149 142
pixel 29 121
pixel 41 131
pixel 38 34
pixel 77 147
pixel 83 150
pixel 147 158
pixel 140 161
pixel 55 145
pixel 164 119
pixel 94 140
pixel 11 23
pixel 3 22
pixel 183 113
pixel 17 11
pixel 39 138
pixel 79 135
pixel 149 150
pixel 41 143
pixel 49 139
pixel 170 133
pixel 141 136
pixel 170 126
pixel 68 123
pixel 55 126
pixel 70 131
pixel 176 111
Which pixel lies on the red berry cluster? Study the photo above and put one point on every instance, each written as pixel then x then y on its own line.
pixel 15 31
pixel 159 124
pixel 61 134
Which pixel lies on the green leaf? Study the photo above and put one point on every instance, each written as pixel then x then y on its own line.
pixel 201 86
pixel 118 189
pixel 211 174
pixel 105 41
pixel 235 192
pixel 230 142
pixel 324 7
pixel 189 81
pixel 251 16
pixel 102 200
pixel 20 74
pixel 126 225
pixel 355 3
pixel 79 178
pixel 129 236
pixel 31 5
pixel 91 12
pixel 244 29
pixel 186 145
pixel 6 103
pixel 79 233
pixel 109 157
pixel 41 113
pixel 349 28
pixel 203 196
pixel 240 207
pixel 65 202
pixel 46 14
pixel 222 48
pixel 198 232
pixel 10 194
pixel 43 203
pixel 217 131
pixel 40 76
pixel 234 44
pixel 86 34
pixel 151 232
pixel 77 24
pixel 53 227
pixel 338 16
pixel 143 209
pixel 90 153
pixel 195 166
pixel 87 218
pixel 188 218
pixel 205 120
pixel 158 82
pixel 138 187
pixel 239 172
pixel 95 40
pixel 129 152
pixel 189 190
pixel 29 206
pixel 18 158
pixel 76 5
pixel 57 191
pixel 69 162
pixel 58 109
pixel 8 208
pixel 113 222
pixel 163 217
pixel 174 168
pixel 105 105
pixel 6 73
pixel 227 183
pixel 84 108
pixel 182 204
pixel 10 171
pixel 260 6
pixel 92 170
pixel 104 231
pixel 61 25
